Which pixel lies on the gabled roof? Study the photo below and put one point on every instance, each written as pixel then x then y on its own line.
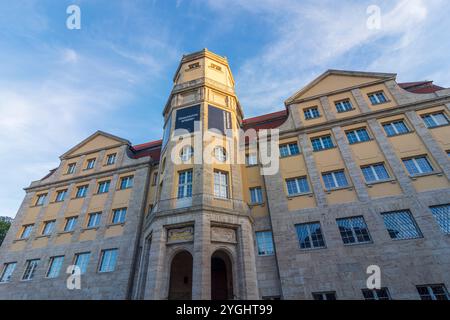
pixel 92 137
pixel 376 75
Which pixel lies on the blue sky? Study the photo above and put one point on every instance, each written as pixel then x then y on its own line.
pixel 58 86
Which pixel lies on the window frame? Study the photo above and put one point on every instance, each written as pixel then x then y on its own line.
pixel 46 232
pixel 335 180
pixel 221 187
pixel 85 262
pixel 417 166
pixel 129 184
pixel 342 104
pixel 297 186
pixel 289 147
pixel 258 195
pixel 267 251
pixel 48 274
pixel 25 227
pixel 357 135
pixel 103 186
pixel 394 127
pixel 40 199
pixel 6 265
pixel 432 116
pixel 84 193
pixel 376 294
pixel 123 215
pixel 419 234
pixel 431 292
pixel 97 220
pixel 186 187
pixel 70 166
pixel 354 234
pixel 310 240
pixel 89 162
pixel 309 114
pixel 30 269
pixel 322 144
pixel 375 95
pixel 102 257
pixel 72 225
pixel 109 157
pixel 375 173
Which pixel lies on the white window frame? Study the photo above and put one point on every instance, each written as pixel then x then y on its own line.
pixel 374 172
pixel 288 148
pixel 8 272
pixel 51 274
pixel 258 195
pixel 341 104
pixel 71 168
pixel 374 95
pixel 103 186
pixel 186 153
pixel 394 127
pixel 90 164
pixel 251 159
pixel 333 175
pixel 432 116
pixel 83 194
pixel 26 231
pixel 48 224
pixel 262 239
pixel 417 165
pixel 97 219
pixel 122 212
pixel 309 114
pixel 111 262
pixel 61 195
pixel 40 201
pixel 111 159
pixel 30 269
pixel 220 153
pixel 71 222
pixel 221 184
pixel 358 138
pixel 128 182
pixel 184 186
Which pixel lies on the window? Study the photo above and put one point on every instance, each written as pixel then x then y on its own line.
pixel 8 271
pixel 322 143
pixel 221 184
pixel 334 180
pixel 251 159
pixel 442 215
pixel 401 225
pixel 155 179
pixel 41 199
pixel 185 184
pixel 357 135
pixel 71 168
pixel 220 154
pixel 265 243
pixel 289 149
pixel 111 159
pixel 26 231
pixel 90 164
pixel 331 295
pixel 310 235
pixel 311 113
pixel 433 292
pixel 82 261
pixel 30 269
pixel 353 230
pixel 395 128
pixel 126 182
pixel 376 294
pixel 186 153
pixel 435 120
pixel 81 192
pixel 70 224
pixel 297 186
pixel 60 195
pixel 343 106
pixel 418 165
pixel 103 187
pixel 256 195
pixel 55 266
pixel 119 215
pixel 377 98
pixel 48 227
pixel 94 219
pixel 108 260
pixel 375 172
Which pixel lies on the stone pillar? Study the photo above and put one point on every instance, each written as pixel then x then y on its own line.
pixel 156 272
pixel 362 104
pixel 201 277
pixel 329 115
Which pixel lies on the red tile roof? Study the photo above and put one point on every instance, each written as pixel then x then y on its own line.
pixel 420 87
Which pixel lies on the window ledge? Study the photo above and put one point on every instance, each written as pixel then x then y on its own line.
pixel 292 196
pixel 42 236
pixel 349 110
pixel 20 239
pixel 115 224
pixel 359 142
pixel 401 134
pixel 307 119
pixel 420 175
pixel 357 244
pixel 291 155
pixel 370 184
pixel 349 188
pixel 257 204
pixel 251 165
pixel 90 228
pixel 222 199
pixel 333 147
pixel 65 232
pixel 380 103
pixel 439 126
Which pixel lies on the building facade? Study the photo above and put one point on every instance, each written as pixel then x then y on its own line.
pixel 361 184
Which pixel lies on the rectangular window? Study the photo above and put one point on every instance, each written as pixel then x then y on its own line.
pixel 221 184
pixel 289 149
pixel 119 215
pixel 26 231
pixel 8 271
pixel 126 182
pixel 401 225
pixel 70 224
pixel 334 180
pixel 55 266
pixel 94 219
pixel 48 227
pixel 418 165
pixel 310 235
pixel 322 143
pixel 251 159
pixel 90 164
pixel 375 172
pixel 297 186
pixel 41 199
pixel 71 168
pixel 331 295
pixel 377 98
pixel 61 195
pixel 376 294
pixel 435 120
pixel 108 260
pixel 353 230
pixel 82 261
pixel 185 184
pixel 343 106
pixel 264 242
pixel 30 269
pixel 111 159
pixel 433 292
pixel 442 215
pixel 311 113
pixel 357 135
pixel 256 195
pixel 81 192
pixel 103 187
pixel 155 179
pixel 395 128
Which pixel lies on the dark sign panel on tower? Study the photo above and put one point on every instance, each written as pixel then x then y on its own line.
pixel 218 119
pixel 187 117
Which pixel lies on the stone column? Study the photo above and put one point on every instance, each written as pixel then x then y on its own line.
pixel 201 274
pixel 329 115
pixel 156 272
pixel 362 104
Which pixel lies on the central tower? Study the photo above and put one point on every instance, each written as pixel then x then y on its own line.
pixel 198 238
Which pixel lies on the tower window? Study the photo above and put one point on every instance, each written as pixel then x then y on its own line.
pixel 221 184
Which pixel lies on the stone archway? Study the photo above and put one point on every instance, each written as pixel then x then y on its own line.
pixel 221 276
pixel 180 285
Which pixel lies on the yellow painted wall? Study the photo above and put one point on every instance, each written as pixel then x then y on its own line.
pixel 376 88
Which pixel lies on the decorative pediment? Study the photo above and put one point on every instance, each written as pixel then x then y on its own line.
pixel 336 80
pixel 99 140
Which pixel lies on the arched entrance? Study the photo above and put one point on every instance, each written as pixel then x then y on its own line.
pixel 221 276
pixel 180 285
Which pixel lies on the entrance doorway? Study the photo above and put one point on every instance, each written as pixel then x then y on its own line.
pixel 221 276
pixel 180 287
